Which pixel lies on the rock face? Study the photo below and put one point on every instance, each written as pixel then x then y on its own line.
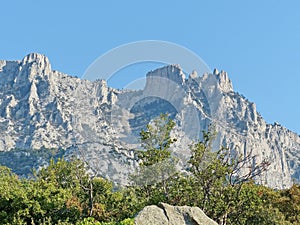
pixel 42 109
pixel 165 214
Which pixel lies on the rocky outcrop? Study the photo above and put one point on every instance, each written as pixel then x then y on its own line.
pixel 41 108
pixel 165 214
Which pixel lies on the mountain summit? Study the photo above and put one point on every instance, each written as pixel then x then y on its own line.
pixel 44 109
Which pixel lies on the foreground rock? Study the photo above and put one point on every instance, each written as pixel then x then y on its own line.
pixel 172 215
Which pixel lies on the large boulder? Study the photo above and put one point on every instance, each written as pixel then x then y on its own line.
pixel 165 214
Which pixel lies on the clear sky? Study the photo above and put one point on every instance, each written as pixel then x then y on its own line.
pixel 256 42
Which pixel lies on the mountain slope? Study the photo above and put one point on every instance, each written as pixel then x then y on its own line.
pixel 41 108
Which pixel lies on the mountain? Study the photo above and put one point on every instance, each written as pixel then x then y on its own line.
pixel 46 113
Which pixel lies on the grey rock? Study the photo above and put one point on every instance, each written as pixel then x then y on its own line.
pixel 43 108
pixel 194 74
pixel 165 214
pixel 151 215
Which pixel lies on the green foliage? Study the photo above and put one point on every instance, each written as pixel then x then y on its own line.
pixel 64 194
pixel 89 221
pixel 156 164
pixel 127 221
pixel 110 205
pixel 64 174
pixel 255 205
pixel 219 185
pixel 156 141
pixel 27 201
pixel 90 196
pixel 23 161
pixel 210 171
pixel 289 204
pixel 59 195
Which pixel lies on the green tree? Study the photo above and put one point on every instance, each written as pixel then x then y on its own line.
pixel 156 163
pixel 255 205
pixel 64 174
pixel 156 141
pixel 218 177
pixel 289 204
pixel 71 176
pixel 11 194
pixel 28 201
pixel 92 197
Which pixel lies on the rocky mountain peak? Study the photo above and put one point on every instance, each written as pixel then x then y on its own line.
pixel 193 75
pixel 34 64
pixel 217 81
pixel 171 72
pixel 44 108
pixel 37 58
pixel 224 81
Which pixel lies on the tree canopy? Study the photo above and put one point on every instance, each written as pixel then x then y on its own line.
pixel 64 193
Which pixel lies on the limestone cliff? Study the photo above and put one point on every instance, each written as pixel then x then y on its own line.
pixel 43 108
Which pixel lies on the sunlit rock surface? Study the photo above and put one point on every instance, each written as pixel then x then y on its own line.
pixel 43 108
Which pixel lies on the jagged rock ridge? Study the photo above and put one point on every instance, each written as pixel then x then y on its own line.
pixel 43 108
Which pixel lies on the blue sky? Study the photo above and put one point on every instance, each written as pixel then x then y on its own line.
pixel 256 42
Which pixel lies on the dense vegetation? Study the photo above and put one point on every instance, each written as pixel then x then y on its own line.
pixel 63 193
